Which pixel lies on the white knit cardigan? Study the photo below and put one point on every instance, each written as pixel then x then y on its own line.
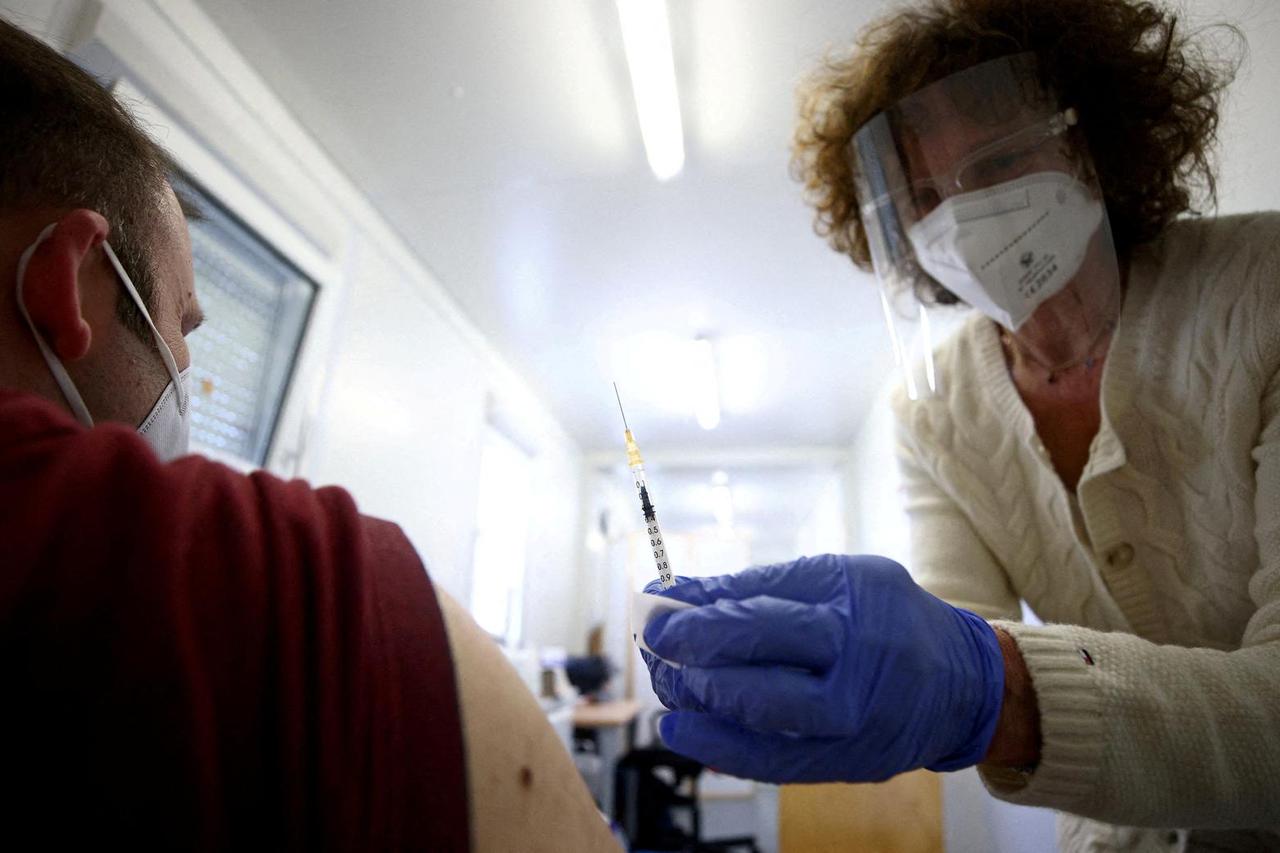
pixel 1158 670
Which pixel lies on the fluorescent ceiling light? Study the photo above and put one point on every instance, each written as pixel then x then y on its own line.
pixel 704 385
pixel 748 378
pixel 722 506
pixel 673 375
pixel 647 37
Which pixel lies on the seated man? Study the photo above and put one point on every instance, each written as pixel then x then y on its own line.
pixel 192 658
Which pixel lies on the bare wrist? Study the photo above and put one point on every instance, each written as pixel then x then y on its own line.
pixel 1017 739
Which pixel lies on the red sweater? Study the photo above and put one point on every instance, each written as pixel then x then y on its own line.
pixel 195 659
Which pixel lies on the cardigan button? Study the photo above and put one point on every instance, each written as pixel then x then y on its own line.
pixel 1120 556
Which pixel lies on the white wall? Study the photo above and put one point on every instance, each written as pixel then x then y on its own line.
pixel 873 506
pixel 1249 162
pixel 400 426
pixel 556 563
pixel 396 426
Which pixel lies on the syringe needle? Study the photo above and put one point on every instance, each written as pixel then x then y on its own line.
pixel 624 414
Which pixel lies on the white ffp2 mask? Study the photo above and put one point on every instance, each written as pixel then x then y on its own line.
pixel 167 426
pixel 1006 249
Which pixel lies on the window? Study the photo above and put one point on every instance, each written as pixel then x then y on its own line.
pixel 256 306
pixel 502 521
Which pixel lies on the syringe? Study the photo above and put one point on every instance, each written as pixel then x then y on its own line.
pixel 636 464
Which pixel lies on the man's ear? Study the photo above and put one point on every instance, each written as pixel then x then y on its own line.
pixel 51 287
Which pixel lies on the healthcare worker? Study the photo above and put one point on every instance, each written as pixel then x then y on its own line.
pixel 1101 440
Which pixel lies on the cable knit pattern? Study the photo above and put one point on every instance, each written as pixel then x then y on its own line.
pixel 1170 718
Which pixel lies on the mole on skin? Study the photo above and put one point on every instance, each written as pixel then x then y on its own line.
pixel 526 777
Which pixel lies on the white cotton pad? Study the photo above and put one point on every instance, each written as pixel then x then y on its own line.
pixel 645 606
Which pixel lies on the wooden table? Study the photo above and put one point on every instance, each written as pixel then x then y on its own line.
pixel 603 715
pixel 594 717
pixel 611 728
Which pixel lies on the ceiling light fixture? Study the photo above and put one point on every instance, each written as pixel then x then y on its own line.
pixel 647 37
pixel 722 506
pixel 704 384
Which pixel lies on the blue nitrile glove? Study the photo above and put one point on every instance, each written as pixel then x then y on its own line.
pixel 826 669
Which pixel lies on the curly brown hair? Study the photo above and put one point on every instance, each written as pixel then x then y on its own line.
pixel 1147 94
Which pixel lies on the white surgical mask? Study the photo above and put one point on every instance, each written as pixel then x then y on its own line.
pixel 1006 249
pixel 167 427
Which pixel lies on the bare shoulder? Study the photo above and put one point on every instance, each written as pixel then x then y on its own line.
pixel 524 790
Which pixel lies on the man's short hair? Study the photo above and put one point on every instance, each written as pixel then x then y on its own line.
pixel 66 142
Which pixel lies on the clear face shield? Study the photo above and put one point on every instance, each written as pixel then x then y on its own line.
pixel 981 183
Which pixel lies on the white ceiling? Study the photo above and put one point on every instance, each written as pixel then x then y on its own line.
pixel 500 139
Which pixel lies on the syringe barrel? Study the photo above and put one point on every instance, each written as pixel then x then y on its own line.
pixel 652 529
pixel 660 554
pixel 636 464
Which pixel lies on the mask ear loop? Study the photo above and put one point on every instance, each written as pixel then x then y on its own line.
pixel 60 375
pixel 165 353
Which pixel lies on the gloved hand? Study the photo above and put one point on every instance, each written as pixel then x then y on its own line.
pixel 831 668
